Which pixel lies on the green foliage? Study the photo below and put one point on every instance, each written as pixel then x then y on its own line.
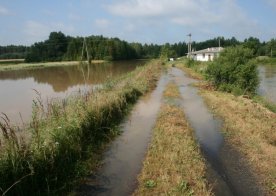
pixel 234 71
pixel 150 184
pixel 167 52
pixel 254 44
pixel 52 49
pixel 13 52
pixel 60 47
pixel 268 104
pixel 190 63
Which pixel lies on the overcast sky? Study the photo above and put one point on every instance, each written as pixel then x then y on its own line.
pixel 146 21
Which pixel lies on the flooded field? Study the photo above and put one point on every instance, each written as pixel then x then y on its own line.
pixel 17 87
pixel 267 86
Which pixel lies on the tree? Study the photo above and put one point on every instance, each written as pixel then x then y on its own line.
pixel 167 52
pixel 254 44
pixel 270 49
pixel 234 71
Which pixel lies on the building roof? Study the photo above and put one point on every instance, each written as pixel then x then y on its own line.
pixel 209 50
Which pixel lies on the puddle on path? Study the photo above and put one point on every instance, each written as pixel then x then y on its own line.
pixel 124 157
pixel 226 167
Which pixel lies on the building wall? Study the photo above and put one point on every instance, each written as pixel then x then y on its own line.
pixel 200 57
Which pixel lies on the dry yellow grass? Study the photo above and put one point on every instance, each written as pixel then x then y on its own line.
pixel 173 165
pixel 171 91
pixel 250 128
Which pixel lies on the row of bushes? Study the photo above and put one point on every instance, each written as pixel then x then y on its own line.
pixel 65 133
pixel 234 71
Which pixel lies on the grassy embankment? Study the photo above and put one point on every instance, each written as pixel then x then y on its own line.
pixel 4 66
pixel 67 136
pixel 266 60
pixel 249 127
pixel 173 165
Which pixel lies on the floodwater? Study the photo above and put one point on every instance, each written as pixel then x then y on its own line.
pixel 123 158
pixel 230 175
pixel 17 87
pixel 267 88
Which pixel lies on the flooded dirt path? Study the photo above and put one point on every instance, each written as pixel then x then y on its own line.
pixel 124 157
pixel 228 171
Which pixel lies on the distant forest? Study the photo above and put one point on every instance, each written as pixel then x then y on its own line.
pixel 59 47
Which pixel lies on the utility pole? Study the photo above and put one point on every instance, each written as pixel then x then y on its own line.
pixel 189 45
pixel 219 43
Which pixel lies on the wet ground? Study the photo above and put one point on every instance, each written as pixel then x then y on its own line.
pixel 227 170
pixel 123 158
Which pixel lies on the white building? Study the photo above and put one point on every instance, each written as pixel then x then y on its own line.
pixel 207 54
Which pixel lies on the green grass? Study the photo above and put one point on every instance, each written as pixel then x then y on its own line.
pixel 266 60
pixel 66 134
pixel 267 104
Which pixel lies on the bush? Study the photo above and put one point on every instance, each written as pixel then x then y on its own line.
pixel 234 71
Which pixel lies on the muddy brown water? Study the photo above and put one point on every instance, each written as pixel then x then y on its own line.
pixel 123 158
pixel 16 87
pixel 227 170
pixel 267 87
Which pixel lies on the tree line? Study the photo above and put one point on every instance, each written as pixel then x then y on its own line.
pixel 13 52
pixel 60 47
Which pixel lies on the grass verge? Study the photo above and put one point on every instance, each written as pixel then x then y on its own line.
pixel 66 134
pixel 173 165
pixel 250 128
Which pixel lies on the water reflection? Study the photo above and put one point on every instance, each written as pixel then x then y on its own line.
pixel 62 78
pixel 123 159
pixel 16 87
pixel 267 88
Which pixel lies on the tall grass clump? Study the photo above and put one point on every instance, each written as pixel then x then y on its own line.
pixel 65 134
pixel 234 71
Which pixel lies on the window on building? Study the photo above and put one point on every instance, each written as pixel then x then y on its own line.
pixel 203 55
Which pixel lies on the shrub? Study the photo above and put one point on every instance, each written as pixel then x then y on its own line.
pixel 234 71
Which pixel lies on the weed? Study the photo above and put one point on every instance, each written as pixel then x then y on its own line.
pixel 150 184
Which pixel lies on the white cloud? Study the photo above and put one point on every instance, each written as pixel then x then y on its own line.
pixel 4 11
pixel 196 16
pixel 157 8
pixel 102 23
pixel 35 31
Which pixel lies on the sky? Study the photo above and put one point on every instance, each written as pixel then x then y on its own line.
pixel 24 22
